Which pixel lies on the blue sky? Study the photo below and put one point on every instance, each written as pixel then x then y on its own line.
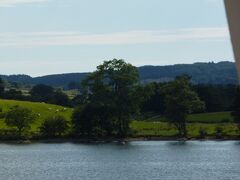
pixel 39 37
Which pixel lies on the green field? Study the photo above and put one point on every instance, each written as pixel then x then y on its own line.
pixel 71 93
pixel 207 121
pixel 219 117
pixel 41 110
pixel 150 127
pixel 142 128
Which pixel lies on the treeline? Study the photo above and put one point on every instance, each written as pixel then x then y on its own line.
pixel 38 93
pixel 217 98
pixel 112 96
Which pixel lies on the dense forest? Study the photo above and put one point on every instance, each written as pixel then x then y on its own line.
pixel 201 73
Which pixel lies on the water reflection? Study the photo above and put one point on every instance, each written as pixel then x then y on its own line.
pixel 179 143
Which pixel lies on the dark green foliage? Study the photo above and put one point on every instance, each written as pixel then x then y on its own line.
pixel 180 101
pixel 20 118
pixel 113 83
pixel 110 94
pixel 61 99
pixel 79 100
pixel 92 120
pixel 42 93
pixel 54 126
pixel 47 94
pixel 155 102
pixel 216 97
pixel 14 95
pixel 2 87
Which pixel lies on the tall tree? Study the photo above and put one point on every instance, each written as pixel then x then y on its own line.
pixel 180 101
pixel 112 87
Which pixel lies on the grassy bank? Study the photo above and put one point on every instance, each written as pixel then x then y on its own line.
pixel 163 129
pixel 149 127
pixel 41 110
pixel 207 121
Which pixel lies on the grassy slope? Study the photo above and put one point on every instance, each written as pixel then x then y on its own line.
pixel 42 109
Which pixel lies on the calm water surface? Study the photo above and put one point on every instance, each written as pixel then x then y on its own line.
pixel 135 161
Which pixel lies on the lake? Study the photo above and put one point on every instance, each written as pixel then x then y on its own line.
pixel 143 160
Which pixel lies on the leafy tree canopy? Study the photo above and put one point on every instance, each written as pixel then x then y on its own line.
pixel 20 118
pixel 112 87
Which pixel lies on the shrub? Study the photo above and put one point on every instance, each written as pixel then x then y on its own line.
pixel 54 126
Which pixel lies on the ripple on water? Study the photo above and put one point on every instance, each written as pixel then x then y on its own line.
pixel 140 160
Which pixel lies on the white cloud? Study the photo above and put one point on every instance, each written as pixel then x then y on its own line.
pixel 10 3
pixel 38 39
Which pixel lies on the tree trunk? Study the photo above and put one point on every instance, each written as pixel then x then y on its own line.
pixel 20 133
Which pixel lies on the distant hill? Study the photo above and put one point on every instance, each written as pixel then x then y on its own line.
pixel 201 73
pixel 56 80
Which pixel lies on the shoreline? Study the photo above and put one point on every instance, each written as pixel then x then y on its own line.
pixel 113 140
